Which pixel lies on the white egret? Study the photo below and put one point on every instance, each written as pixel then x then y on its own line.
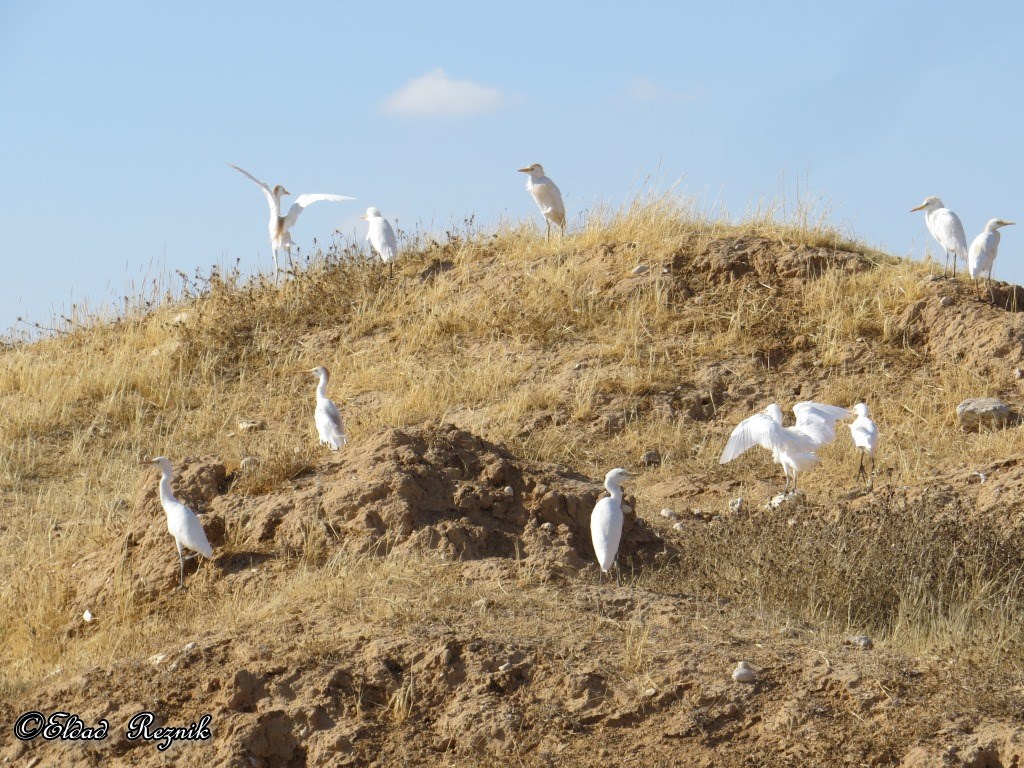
pixel 983 252
pixel 280 226
pixel 793 447
pixel 329 424
pixel 546 195
pixel 182 522
pixel 606 520
pixel 946 228
pixel 865 436
pixel 381 236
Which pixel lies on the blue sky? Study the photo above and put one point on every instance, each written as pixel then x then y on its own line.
pixel 119 119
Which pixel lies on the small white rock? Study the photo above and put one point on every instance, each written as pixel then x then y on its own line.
pixel 679 526
pixel 627 509
pixel 639 269
pixel 743 673
pixel 506 667
pixel 87 616
pixel 157 659
pixel 190 647
pixel 510 491
pixel 669 514
pixel 549 527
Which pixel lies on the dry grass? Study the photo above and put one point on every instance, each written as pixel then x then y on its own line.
pixel 519 340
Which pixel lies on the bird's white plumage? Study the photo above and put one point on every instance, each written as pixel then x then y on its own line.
pixel 329 424
pixel 546 195
pixel 945 227
pixel 982 254
pixel 280 226
pixel 606 520
pixel 182 523
pixel 381 236
pixel 863 430
pixel 795 448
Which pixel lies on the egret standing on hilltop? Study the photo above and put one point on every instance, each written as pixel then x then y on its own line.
pixel 329 424
pixel 983 252
pixel 606 520
pixel 280 226
pixel 865 436
pixel 793 447
pixel 182 522
pixel 546 195
pixel 381 237
pixel 946 228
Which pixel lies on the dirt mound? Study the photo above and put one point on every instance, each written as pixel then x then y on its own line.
pixel 436 488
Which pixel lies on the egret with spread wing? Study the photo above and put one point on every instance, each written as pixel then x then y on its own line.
pixel 280 226
pixel 381 236
pixel 546 195
pixel 793 447
pixel 983 252
pixel 946 228
pixel 182 522
pixel 865 436
pixel 606 520
pixel 329 424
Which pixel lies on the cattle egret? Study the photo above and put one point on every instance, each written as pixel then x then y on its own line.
pixel 280 226
pixel 865 436
pixel 182 522
pixel 546 195
pixel 381 236
pixel 606 520
pixel 983 252
pixel 946 228
pixel 793 447
pixel 329 424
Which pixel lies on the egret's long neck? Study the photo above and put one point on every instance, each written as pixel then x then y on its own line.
pixel 321 388
pixel 614 489
pixel 165 485
pixel 277 203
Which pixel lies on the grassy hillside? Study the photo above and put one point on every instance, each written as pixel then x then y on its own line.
pixel 564 353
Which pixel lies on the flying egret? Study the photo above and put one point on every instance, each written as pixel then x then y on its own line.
pixel 329 423
pixel 865 436
pixel 606 520
pixel 182 522
pixel 946 228
pixel 280 226
pixel 983 252
pixel 381 237
pixel 546 195
pixel 792 447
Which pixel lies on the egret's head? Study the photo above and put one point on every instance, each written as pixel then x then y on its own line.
pixel 774 412
pixel 861 409
pixel 616 478
pixel 280 191
pixel 534 170
pixel 371 213
pixel 162 462
pixel 931 203
pixel 320 371
pixel 997 223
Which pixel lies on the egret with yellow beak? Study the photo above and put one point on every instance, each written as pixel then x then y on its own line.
pixel 546 195
pixel 983 253
pixel 381 237
pixel 946 228
pixel 280 226
pixel 329 424
pixel 182 522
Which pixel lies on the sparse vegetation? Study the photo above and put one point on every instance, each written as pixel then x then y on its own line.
pixel 558 351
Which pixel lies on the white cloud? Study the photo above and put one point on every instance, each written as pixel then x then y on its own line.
pixel 436 95
pixel 645 91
